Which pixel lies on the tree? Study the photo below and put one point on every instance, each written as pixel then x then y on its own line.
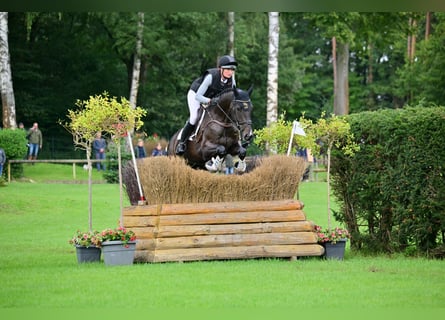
pixel 339 27
pixel 101 113
pixel 7 91
pixel 332 131
pixel 276 136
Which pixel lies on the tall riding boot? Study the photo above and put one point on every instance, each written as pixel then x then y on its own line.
pixel 186 131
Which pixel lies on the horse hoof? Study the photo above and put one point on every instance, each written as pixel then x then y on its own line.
pixel 214 164
pixel 241 166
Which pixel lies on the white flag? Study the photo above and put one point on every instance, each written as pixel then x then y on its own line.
pixel 298 129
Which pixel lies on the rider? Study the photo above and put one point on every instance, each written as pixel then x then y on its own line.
pixel 203 89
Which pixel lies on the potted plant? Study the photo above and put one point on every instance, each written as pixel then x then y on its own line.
pixel 87 246
pixel 118 246
pixel 333 240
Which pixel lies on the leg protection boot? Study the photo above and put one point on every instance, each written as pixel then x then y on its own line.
pixel 186 131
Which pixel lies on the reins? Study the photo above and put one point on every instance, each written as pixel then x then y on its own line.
pixel 231 122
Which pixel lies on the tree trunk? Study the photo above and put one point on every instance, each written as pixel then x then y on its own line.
pixel 427 25
pixel 341 82
pixel 370 76
pixel 7 91
pixel 411 46
pixel 231 25
pixel 90 188
pixel 272 72
pixel 334 63
pixel 137 62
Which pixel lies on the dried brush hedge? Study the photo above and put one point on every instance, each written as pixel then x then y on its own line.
pixel 171 180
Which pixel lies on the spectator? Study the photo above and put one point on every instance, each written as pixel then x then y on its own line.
pixel 99 146
pixel 140 149
pixel 228 160
pixel 22 127
pixel 35 141
pixel 158 151
pixel 2 160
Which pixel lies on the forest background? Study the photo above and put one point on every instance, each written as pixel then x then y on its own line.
pixel 394 59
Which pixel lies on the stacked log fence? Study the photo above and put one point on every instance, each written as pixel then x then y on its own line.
pixel 217 231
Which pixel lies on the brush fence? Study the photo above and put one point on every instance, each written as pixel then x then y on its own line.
pixel 221 230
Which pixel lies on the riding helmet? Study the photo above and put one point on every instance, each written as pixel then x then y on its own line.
pixel 227 62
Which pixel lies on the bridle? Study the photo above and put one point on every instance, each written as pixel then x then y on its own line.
pixel 233 120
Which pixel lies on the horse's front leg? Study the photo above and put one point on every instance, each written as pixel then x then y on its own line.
pixel 210 150
pixel 240 166
pixel 239 150
pixel 213 154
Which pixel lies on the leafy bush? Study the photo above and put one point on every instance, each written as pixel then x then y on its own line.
pixel 391 192
pixel 14 144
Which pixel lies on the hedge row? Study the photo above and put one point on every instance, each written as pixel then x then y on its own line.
pixel 14 144
pixel 392 191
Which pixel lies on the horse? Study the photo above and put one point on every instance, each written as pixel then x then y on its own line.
pixel 225 127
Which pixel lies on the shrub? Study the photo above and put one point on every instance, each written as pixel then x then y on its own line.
pixel 391 192
pixel 14 144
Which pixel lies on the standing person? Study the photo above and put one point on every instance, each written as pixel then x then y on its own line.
pixel 203 89
pixel 2 160
pixel 140 149
pixel 158 150
pixel 35 141
pixel 22 127
pixel 99 146
pixel 228 160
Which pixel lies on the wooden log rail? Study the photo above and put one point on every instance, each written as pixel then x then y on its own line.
pixel 210 231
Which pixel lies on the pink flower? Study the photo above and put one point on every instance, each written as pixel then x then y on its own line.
pixel 332 235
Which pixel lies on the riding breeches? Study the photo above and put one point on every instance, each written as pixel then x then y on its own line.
pixel 193 105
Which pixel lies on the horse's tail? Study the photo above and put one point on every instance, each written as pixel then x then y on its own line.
pixel 171 146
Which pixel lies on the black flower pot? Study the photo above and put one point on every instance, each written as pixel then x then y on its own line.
pixel 334 250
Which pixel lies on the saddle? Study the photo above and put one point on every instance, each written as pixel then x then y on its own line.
pixel 201 114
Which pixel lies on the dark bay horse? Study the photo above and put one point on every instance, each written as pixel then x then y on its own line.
pixel 224 127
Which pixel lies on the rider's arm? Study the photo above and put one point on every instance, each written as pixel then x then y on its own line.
pixel 203 88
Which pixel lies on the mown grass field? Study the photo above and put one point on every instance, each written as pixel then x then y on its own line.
pixel 38 268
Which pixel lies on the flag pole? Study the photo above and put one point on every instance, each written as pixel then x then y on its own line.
pixel 142 200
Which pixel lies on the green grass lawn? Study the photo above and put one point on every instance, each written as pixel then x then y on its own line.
pixel 38 268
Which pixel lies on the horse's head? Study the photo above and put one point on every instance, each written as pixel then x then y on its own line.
pixel 241 112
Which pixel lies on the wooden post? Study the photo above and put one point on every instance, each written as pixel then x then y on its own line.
pixel 74 171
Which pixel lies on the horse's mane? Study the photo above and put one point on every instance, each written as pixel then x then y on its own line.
pixel 225 92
